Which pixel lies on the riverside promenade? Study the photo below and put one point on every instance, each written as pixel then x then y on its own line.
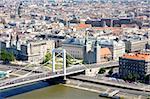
pixel 145 88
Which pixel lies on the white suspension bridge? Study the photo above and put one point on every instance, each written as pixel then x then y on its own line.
pixel 29 77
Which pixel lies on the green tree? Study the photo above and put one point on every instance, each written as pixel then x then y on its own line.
pixel 102 71
pixel 48 57
pixel 121 97
pixel 147 78
pixel 68 60
pixel 11 56
pixel 148 97
pixel 110 72
pixel 6 56
pixel 125 78
pixel 130 77
pixel 135 77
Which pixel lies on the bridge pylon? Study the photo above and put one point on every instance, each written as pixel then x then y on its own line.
pixel 59 51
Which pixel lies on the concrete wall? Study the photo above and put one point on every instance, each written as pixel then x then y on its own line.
pixel 37 50
pixel 75 50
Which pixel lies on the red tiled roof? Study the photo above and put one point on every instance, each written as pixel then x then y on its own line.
pixel 82 26
pixel 137 56
pixel 105 51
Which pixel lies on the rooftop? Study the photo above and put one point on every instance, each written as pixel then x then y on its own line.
pixel 82 26
pixel 102 41
pixel 105 51
pixel 137 56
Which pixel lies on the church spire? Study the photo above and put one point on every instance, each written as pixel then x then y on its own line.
pixel 86 37
pixel 96 42
pixel 10 42
pixel 17 40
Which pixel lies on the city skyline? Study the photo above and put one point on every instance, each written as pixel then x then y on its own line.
pixel 74 49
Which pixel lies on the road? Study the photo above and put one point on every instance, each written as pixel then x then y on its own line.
pixel 103 88
pixel 47 75
pixel 121 86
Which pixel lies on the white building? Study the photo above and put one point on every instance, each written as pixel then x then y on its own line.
pixel 31 51
pixel 117 48
pixel 34 51
pixel 74 47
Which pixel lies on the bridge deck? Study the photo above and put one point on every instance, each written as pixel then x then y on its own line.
pixel 48 75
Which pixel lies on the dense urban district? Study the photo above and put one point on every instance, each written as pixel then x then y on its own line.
pixel 95 45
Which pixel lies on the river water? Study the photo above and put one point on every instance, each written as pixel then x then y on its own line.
pixel 57 92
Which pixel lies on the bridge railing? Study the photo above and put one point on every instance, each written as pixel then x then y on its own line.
pixel 36 76
pixel 48 74
pixel 17 80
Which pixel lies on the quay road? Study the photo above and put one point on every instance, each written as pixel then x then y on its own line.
pixel 48 75
pixel 105 88
pixel 145 89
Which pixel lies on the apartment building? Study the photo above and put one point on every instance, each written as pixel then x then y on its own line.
pixel 31 51
pixel 134 63
pixel 135 45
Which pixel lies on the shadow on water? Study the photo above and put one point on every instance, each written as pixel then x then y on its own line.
pixel 29 87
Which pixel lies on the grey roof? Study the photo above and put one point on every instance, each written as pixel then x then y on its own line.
pixel 77 41
pixel 74 41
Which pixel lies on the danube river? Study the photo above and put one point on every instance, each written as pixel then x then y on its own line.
pixel 57 92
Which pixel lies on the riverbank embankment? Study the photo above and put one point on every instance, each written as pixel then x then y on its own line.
pixel 98 88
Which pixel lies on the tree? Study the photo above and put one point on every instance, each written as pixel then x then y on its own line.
pixel 148 97
pixel 125 78
pixel 135 76
pixel 147 78
pixel 130 77
pixel 68 60
pixel 121 97
pixel 6 56
pixel 48 57
pixel 11 56
pixel 102 71
pixel 110 72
